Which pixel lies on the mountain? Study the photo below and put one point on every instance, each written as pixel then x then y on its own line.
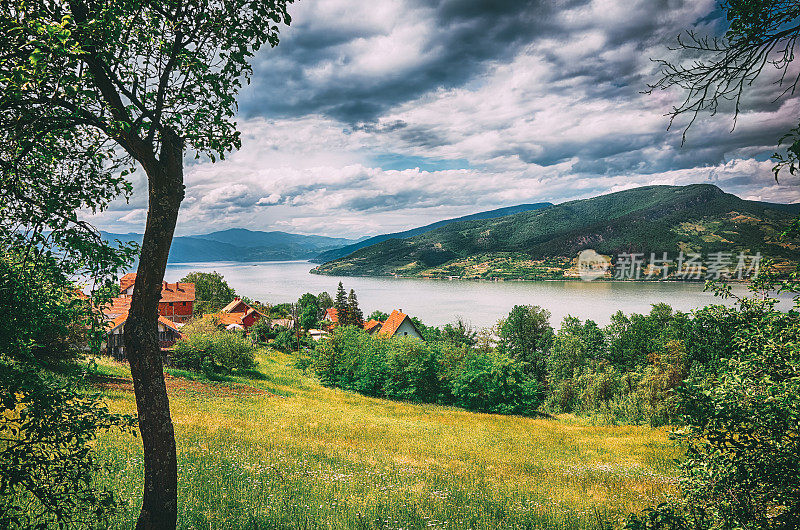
pixel 239 244
pixel 544 243
pixel 331 255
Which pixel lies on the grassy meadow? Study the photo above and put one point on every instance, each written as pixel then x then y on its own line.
pixel 275 449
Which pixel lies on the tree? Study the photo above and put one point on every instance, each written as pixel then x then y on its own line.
pixel 341 306
pixel 460 332
pixel 324 301
pixel 212 292
pixel 525 335
pixel 355 316
pixel 152 79
pixel 742 431
pixel 309 317
pixel 378 315
pixel 761 33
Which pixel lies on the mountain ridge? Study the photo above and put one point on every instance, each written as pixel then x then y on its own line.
pixel 331 255
pixel 698 217
pixel 241 245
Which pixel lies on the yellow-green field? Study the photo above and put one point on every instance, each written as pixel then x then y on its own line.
pixel 277 450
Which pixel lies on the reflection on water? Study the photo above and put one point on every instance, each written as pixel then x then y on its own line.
pixel 438 302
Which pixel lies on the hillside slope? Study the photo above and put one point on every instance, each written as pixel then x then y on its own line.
pixel 543 243
pixel 331 255
pixel 239 244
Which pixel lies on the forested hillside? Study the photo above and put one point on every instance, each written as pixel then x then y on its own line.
pixel 544 243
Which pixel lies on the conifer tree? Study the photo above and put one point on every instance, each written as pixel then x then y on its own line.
pixel 341 306
pixel 354 312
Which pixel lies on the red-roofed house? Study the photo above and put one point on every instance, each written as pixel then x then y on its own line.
pixel 372 326
pixel 332 315
pixel 117 314
pixel 237 314
pixel 399 325
pixel 177 299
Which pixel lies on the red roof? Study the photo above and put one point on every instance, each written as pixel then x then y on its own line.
pixel 372 324
pixel 170 292
pixel 226 319
pixel 332 315
pixel 392 323
pixel 115 322
pixel 127 280
pixel 117 312
pixel 237 305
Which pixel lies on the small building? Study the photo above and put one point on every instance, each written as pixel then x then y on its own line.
pixel 399 325
pixel 237 315
pixel 317 334
pixel 283 322
pixel 332 315
pixel 168 334
pixel 372 326
pixel 177 299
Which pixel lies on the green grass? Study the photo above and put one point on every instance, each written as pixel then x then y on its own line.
pixel 274 449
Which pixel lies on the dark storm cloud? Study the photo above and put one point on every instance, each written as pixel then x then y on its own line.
pixel 371 117
pixel 465 36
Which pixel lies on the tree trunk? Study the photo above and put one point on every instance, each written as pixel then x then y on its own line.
pixel 165 180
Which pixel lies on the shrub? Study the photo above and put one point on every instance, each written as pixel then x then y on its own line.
pixel 216 351
pixel 492 382
pixel 47 431
pixel 413 370
pixel 742 430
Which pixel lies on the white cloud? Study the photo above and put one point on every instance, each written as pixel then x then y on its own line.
pixel 548 109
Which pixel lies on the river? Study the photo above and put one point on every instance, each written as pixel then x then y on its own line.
pixel 437 302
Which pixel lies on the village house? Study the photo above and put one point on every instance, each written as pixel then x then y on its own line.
pixel 237 315
pixel 397 325
pixel 117 315
pixel 177 299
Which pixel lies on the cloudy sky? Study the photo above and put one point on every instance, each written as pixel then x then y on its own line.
pixel 372 117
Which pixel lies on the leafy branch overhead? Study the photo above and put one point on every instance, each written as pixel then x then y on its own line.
pixel 159 68
pixel 717 71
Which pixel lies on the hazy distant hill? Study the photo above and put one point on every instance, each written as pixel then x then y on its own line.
pixel 490 214
pixel 239 244
pixel 696 218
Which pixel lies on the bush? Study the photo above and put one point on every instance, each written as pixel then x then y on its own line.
pixel 47 431
pixel 742 432
pixel 492 382
pixel 211 352
pixel 412 370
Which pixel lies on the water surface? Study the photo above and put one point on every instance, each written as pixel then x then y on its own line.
pixel 437 302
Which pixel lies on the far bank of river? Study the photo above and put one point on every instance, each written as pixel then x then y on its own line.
pixel 437 302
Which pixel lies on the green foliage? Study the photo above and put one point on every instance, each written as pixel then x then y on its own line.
pixel 41 317
pixel 647 219
pixel 214 352
pixel 460 332
pixel 47 431
pixel 309 311
pixel 341 306
pixel 742 432
pixel 495 383
pixel 378 315
pixel 212 292
pixel 262 330
pixel 355 317
pixel 324 301
pixel 526 335
pixel 309 317
pixel 413 370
